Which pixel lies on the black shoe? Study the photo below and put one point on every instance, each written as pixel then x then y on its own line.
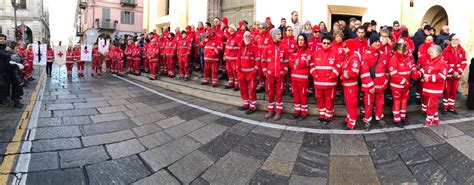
pixel 454 112
pixel 250 111
pixel 423 114
pixel 236 89
pixel 320 120
pixel 443 112
pixel 302 117
pixel 343 123
pixel 367 126
pixel 227 87
pixel 405 122
pixel 186 78
pixel 243 108
pixel 344 127
pixel 17 104
pixel 381 123
pixel 327 121
pixel 296 116
pixel 399 125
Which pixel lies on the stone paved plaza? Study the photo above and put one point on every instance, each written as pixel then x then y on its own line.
pixel 109 130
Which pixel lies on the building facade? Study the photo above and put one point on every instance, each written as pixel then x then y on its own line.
pixel 32 20
pixel 412 13
pixel 108 17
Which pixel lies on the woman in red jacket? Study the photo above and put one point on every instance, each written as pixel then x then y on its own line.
pixel 433 78
pixel 299 64
pixel 69 61
pixel 400 68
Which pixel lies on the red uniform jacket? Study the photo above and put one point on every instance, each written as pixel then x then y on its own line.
pixel 350 69
pixel 396 34
pixel 263 40
pixel 171 47
pixel 456 60
pixel 111 54
pixel 50 55
pixel 400 69
pixel 153 52
pixel 324 68
pixel 361 45
pixel 118 54
pixel 184 48
pixel 315 43
pixel 300 62
pixel 212 48
pixel 136 53
pixel 232 47
pixel 77 55
pixel 129 50
pixel 248 58
pixel 30 56
pixel 275 60
pixel 434 76
pixel 374 76
pixel 69 57
pixel 290 44
pixel 95 54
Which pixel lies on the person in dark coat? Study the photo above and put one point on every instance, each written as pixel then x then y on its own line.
pixel 16 74
pixel 419 38
pixel 443 37
pixel 470 81
pixel 4 71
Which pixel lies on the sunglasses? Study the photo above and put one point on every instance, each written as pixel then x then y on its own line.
pixel 289 30
pixel 316 31
pixel 326 43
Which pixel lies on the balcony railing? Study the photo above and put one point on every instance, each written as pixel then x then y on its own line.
pixel 106 24
pixel 128 3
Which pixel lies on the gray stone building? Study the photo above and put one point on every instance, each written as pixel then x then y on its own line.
pixel 32 19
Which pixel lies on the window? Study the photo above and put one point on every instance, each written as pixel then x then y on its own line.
pixel 127 17
pixel 1 29
pixel 21 4
pixel 167 7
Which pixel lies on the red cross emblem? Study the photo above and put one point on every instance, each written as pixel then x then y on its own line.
pixel 60 54
pixel 86 51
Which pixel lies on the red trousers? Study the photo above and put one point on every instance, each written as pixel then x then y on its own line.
pixel 400 98
pixel 108 65
pixel 80 67
pixel 432 110
pixel 248 86
pixel 69 68
pixel 96 66
pixel 163 64
pixel 28 70
pixel 351 98
pixel 154 66
pixel 275 86
pixel 183 62
pixel 146 64
pixel 130 64
pixel 449 94
pixel 370 100
pixel 120 67
pixel 170 62
pixel 113 66
pixel 211 67
pixel 232 73
pixel 424 102
pixel 300 97
pixel 325 99
pixel 260 77
pixel 136 66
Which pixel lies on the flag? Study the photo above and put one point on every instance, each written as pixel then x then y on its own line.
pixel 40 55
pixel 60 55
pixel 86 52
pixel 104 46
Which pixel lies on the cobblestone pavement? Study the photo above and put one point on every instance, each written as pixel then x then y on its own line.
pixel 105 130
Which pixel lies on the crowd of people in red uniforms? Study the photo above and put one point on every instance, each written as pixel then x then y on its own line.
pixel 359 62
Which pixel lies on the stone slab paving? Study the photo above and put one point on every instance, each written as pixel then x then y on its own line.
pixel 102 130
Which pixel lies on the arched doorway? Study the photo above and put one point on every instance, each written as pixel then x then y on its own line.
pixel 25 34
pixel 436 16
pixel 234 10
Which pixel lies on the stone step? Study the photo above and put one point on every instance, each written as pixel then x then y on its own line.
pixel 230 97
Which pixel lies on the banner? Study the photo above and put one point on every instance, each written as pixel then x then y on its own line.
pixel 60 55
pixel 86 52
pixel 104 46
pixel 40 55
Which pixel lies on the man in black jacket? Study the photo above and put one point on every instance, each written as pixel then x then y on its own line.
pixel 4 72
pixel 419 38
